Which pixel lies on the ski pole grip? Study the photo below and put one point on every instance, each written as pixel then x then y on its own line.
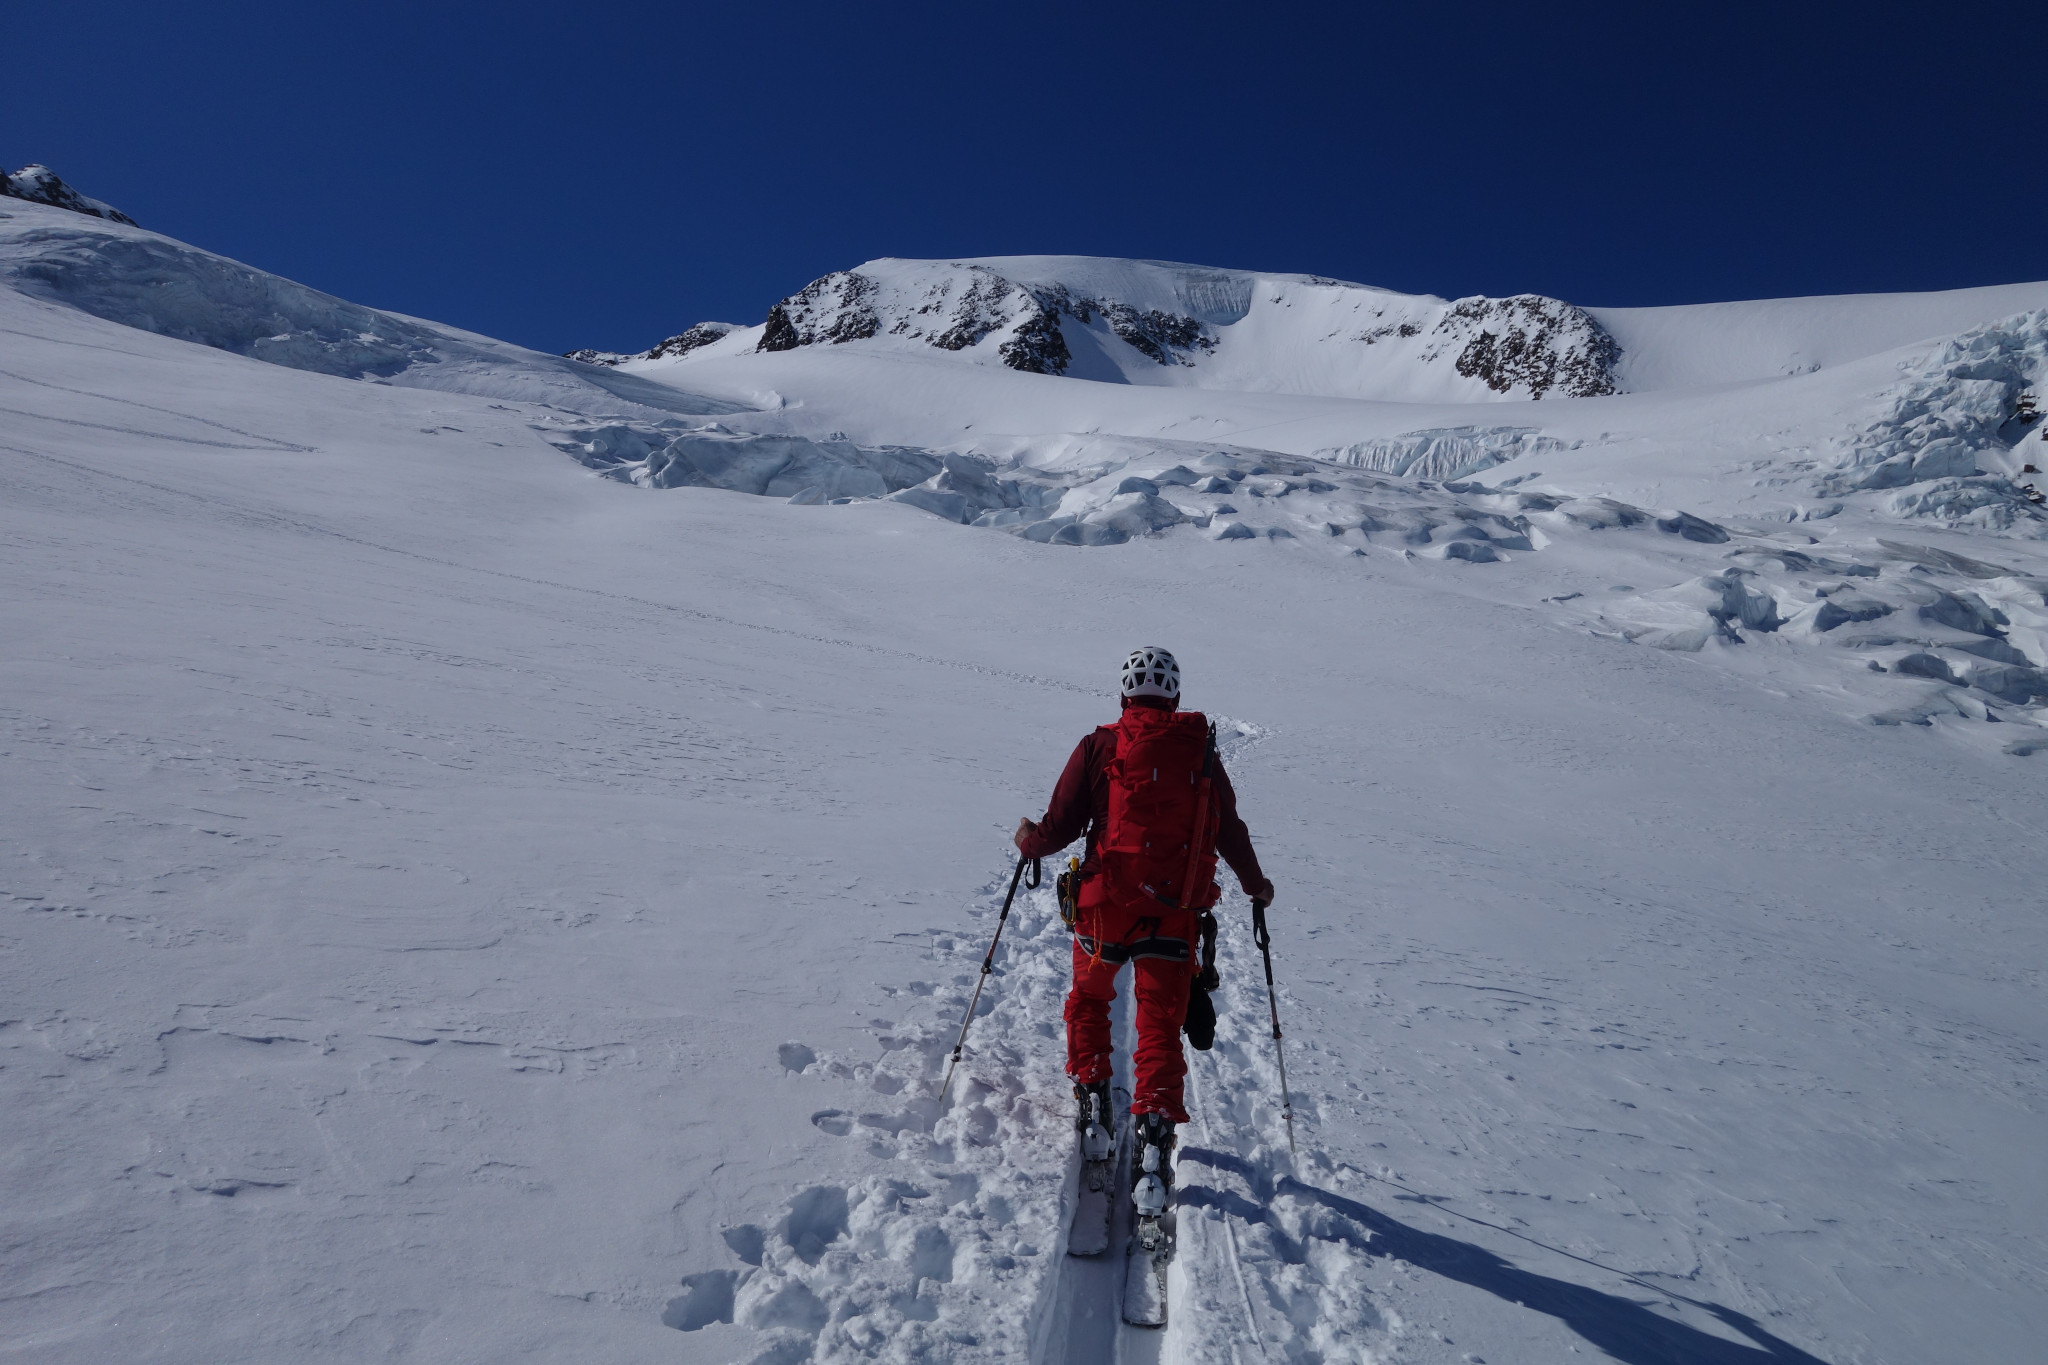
pixel 1260 935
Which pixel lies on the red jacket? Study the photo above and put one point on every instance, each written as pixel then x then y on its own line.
pixel 1080 804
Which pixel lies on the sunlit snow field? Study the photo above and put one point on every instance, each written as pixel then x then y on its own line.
pixel 462 908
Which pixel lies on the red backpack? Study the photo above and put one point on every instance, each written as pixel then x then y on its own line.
pixel 1161 839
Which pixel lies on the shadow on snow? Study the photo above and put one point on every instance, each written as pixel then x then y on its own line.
pixel 1623 1328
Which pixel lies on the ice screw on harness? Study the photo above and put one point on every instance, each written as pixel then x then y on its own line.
pixel 988 967
pixel 1264 939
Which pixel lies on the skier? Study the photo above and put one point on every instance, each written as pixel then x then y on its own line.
pixel 1157 808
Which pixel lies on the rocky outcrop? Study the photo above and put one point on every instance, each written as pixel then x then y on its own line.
pixel 1037 346
pixel 1165 337
pixel 695 338
pixel 1532 343
pixel 985 306
pixel 1161 337
pixel 41 185
pixel 839 307
pixel 681 344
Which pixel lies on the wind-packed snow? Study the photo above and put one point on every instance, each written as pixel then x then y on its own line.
pixel 497 847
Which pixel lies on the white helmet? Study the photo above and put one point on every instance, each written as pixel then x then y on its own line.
pixel 1151 672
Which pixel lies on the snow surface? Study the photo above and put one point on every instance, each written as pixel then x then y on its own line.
pixel 475 897
pixel 1728 343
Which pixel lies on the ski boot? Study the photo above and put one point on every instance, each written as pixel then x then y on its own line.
pixel 1152 1178
pixel 1092 1120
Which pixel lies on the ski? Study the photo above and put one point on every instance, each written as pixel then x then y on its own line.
pixel 1095 1202
pixel 1151 1245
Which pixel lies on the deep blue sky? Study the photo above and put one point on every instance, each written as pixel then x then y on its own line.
pixel 605 174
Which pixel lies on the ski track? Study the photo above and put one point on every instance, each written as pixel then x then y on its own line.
pixel 952 1250
pixel 949 1245
pixel 267 442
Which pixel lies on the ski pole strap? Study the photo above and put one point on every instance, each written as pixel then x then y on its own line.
pixel 1261 936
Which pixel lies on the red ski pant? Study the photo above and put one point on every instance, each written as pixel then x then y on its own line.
pixel 1159 943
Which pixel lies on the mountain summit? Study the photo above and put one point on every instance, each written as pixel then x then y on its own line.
pixel 1160 324
pixel 41 185
pixel 1157 322
pixel 1167 324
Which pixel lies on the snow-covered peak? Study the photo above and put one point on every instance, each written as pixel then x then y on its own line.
pixel 41 185
pixel 1167 324
pixel 1162 323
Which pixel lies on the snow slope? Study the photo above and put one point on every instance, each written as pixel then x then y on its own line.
pixel 116 271
pixel 465 904
pixel 1729 343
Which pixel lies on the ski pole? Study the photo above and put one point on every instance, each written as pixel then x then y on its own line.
pixel 988 966
pixel 1262 937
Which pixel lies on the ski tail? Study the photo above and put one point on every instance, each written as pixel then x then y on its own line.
pixel 1150 1253
pixel 1100 1181
pixel 1145 1279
